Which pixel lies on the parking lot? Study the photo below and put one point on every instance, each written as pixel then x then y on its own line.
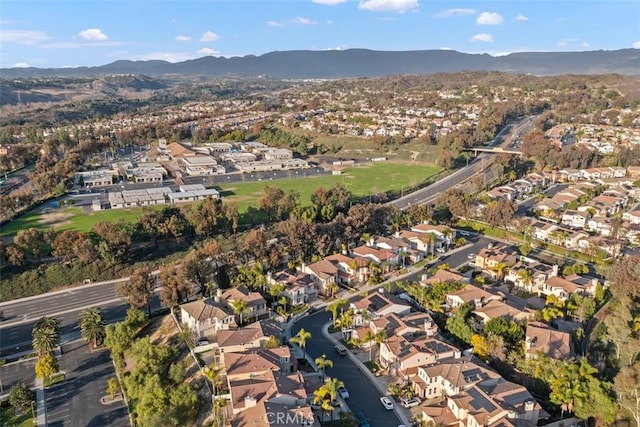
pixel 76 402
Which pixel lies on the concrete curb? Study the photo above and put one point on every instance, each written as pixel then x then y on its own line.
pixel 367 372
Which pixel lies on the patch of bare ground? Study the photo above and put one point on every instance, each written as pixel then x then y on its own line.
pixel 55 219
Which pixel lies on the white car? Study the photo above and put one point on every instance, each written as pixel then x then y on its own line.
pixel 409 403
pixel 344 393
pixel 471 257
pixel 386 402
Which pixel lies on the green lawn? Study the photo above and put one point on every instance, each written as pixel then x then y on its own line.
pixel 69 218
pixel 383 177
pixel 9 418
pixel 361 181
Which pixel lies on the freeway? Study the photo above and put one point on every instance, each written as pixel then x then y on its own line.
pixel 479 164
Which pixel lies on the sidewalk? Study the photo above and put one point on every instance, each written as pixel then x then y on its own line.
pixel 41 407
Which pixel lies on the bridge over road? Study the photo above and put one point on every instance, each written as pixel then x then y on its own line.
pixel 494 150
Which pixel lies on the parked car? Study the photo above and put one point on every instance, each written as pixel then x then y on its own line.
pixel 203 341
pixel 344 393
pixel 386 402
pixel 409 403
pixel 341 350
pixel 471 256
pixel 362 420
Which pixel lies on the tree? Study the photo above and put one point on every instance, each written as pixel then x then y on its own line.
pixel 525 277
pixel 625 278
pixel 323 363
pixel 21 396
pixel 46 335
pixel 499 213
pixel 175 287
pixel 240 307
pixel 31 240
pixel 480 346
pixel 46 366
pixel 334 307
pixel 92 326
pixel 113 388
pixel 272 342
pixel 301 339
pixel 138 289
pixel 458 324
pixel 370 338
pixel 500 269
pixel 627 387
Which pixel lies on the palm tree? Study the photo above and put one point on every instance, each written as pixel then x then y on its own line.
pixel 212 373
pixel 500 269
pixel 301 339
pixel 332 287
pixel 240 307
pixel 92 326
pixel 371 338
pixel 334 307
pixel 326 394
pixel 511 176
pixel 46 335
pixel 526 279
pixel 345 321
pixel 323 363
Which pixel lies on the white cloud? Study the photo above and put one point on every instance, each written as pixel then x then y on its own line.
pixel 455 12
pixel 93 34
pixel 636 45
pixel 21 65
pixel 561 44
pixel 585 44
pixel 23 37
pixel 328 2
pixel 400 6
pixel 183 38
pixel 302 21
pixel 208 36
pixel 520 17
pixel 165 56
pixel 482 37
pixel 295 21
pixel 207 51
pixel 489 18
pixel 329 22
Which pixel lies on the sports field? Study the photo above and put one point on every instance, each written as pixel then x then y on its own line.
pixel 361 181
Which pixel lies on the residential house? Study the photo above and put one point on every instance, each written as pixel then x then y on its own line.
pixel 381 257
pixel 207 316
pixel 442 276
pixel 253 336
pixel 491 256
pixel 248 364
pixel 542 339
pixel 493 309
pixel 474 396
pixel 543 230
pixel 263 414
pixel 633 216
pixel 256 304
pixel 410 326
pixel 378 304
pixel 299 288
pixel 564 287
pixel 401 356
pixel 575 219
pixel 611 247
pixel 338 268
pixel 444 235
pixel 538 273
pixel 470 294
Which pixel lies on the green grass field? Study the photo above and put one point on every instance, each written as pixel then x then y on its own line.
pixel 361 181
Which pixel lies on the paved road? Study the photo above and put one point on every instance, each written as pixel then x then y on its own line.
pixel 480 163
pixel 76 402
pixel 364 396
pixel 22 371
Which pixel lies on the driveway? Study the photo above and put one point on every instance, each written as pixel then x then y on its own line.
pixel 76 402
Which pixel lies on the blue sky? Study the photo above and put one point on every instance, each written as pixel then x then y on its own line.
pixel 60 33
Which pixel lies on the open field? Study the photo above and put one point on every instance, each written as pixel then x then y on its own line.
pixel 373 178
pixel 352 146
pixel 361 181
pixel 69 219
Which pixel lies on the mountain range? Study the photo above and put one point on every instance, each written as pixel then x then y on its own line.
pixel 307 64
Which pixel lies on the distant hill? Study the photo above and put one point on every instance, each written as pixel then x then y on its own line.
pixel 362 63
